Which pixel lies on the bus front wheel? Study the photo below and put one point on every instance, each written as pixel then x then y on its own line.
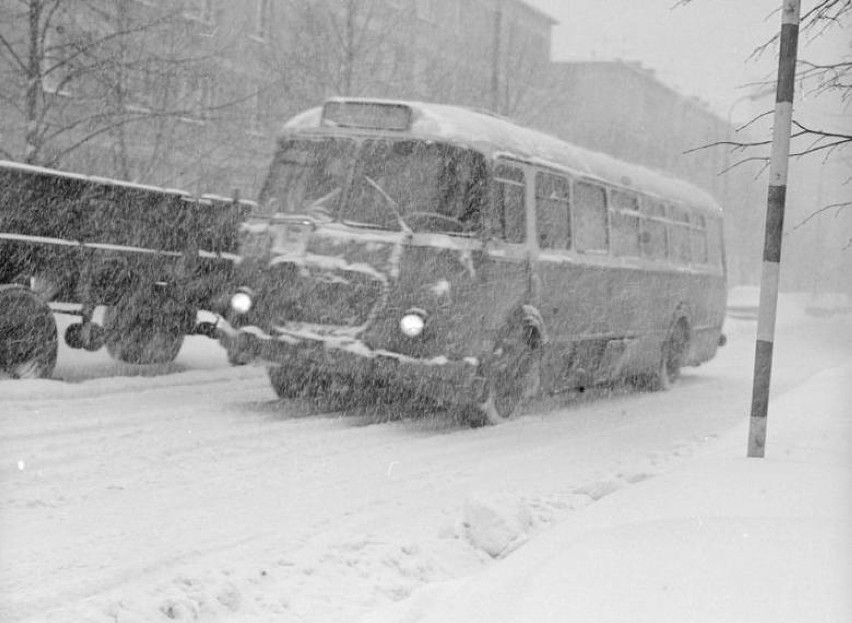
pixel 513 376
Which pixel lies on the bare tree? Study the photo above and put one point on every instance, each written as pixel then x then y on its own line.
pixel 816 79
pixel 334 48
pixel 117 79
pixel 833 80
pixel 382 48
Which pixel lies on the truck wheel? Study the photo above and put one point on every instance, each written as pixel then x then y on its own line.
pixel 28 335
pixel 141 334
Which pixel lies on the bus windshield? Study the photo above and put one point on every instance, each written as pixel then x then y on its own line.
pixel 308 176
pixel 411 185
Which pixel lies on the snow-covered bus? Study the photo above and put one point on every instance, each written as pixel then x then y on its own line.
pixel 425 247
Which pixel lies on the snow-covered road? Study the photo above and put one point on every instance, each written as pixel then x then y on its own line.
pixel 189 491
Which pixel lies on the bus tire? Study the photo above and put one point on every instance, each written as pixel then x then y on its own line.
pixel 513 375
pixel 672 356
pixel 324 390
pixel 140 334
pixel 286 382
pixel 28 336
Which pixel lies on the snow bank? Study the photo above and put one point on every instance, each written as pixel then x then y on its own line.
pixel 725 538
pixel 496 524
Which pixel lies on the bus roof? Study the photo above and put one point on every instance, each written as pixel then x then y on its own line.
pixel 494 135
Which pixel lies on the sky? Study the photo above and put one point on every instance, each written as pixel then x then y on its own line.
pixel 703 49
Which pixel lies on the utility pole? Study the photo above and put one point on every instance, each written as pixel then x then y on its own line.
pixel 775 203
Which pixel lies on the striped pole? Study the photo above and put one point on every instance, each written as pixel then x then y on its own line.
pixel 775 201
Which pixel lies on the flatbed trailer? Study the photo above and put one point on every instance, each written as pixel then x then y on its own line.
pixel 152 257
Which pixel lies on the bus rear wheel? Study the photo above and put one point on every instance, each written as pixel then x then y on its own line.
pixel 512 378
pixel 672 358
pixel 28 335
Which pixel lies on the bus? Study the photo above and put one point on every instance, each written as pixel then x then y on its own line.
pixel 446 251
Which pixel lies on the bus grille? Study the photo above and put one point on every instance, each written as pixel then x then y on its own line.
pixel 320 296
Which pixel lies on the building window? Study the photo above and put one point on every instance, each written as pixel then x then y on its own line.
pixel 199 10
pixel 427 10
pixel 263 19
pixel 197 96
pixel 261 107
pixel 56 62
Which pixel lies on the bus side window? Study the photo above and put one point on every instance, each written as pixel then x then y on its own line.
pixel 552 211
pixel 679 235
pixel 698 238
pixel 625 223
pixel 590 217
pixel 654 244
pixel 510 203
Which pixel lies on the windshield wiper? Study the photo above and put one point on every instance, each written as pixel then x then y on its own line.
pixel 393 204
pixel 317 208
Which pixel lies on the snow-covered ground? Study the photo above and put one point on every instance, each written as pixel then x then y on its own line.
pixel 187 492
pixel 722 538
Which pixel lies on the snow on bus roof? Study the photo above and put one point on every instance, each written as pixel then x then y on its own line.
pixel 496 135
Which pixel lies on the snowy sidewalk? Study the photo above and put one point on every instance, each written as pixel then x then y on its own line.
pixel 725 538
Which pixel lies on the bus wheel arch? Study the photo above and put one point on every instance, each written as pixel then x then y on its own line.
pixel 672 356
pixel 513 371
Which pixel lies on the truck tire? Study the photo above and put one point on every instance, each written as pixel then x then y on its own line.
pixel 139 332
pixel 28 335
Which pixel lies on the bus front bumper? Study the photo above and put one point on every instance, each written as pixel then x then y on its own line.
pixel 446 381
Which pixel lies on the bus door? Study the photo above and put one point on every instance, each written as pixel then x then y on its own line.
pixel 504 275
pixel 571 232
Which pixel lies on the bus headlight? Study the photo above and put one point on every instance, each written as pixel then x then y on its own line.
pixel 241 302
pixel 413 322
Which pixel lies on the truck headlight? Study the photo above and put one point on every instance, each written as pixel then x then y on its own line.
pixel 241 302
pixel 413 322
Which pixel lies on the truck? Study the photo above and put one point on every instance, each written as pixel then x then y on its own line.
pixel 151 258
